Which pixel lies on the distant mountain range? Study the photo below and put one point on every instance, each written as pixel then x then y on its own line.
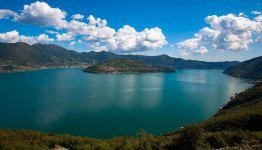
pixel 250 69
pixel 21 55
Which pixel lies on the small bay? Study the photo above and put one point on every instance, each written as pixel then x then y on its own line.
pixel 106 105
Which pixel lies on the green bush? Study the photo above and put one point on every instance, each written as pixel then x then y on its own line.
pixel 215 140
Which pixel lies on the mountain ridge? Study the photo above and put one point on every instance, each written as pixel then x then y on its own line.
pixel 32 57
pixel 249 69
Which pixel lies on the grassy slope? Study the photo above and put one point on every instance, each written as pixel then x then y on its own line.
pixel 236 125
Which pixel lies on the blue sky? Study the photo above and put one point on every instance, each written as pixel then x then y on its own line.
pixel 169 23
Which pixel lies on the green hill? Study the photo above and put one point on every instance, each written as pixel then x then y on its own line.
pixel 237 125
pixel 125 66
pixel 21 56
pixel 250 69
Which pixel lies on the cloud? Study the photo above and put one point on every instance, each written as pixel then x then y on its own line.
pixel 13 37
pixel 227 32
pixel 258 21
pixel 96 21
pixel 102 39
pixel 241 14
pixel 10 37
pixel 200 51
pixel 95 33
pixel 259 39
pixel 51 32
pixel 151 39
pixel 41 14
pixel 5 13
pixel 256 12
pixel 183 53
pixel 43 38
pixel 77 17
pixel 128 39
pixel 189 44
pixel 64 37
pixel 72 43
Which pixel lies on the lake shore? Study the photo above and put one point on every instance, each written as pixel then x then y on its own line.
pixel 16 68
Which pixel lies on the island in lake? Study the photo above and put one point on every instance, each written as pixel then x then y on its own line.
pixel 126 66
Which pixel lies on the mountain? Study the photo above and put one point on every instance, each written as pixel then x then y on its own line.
pixel 21 56
pixel 37 54
pixel 125 66
pixel 237 125
pixel 250 69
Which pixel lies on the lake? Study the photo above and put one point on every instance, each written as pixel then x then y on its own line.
pixel 106 105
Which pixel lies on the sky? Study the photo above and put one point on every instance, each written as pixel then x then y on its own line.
pixel 208 30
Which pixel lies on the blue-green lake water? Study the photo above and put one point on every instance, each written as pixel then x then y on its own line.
pixel 106 105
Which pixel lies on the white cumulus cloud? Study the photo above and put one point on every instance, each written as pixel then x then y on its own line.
pixel 227 32
pixel 259 39
pixel 96 21
pixel 200 51
pixel 128 39
pixel 256 12
pixel 64 37
pixel 77 17
pixel 189 44
pixel 95 33
pixel 72 43
pixel 6 13
pixel 13 37
pixel 41 14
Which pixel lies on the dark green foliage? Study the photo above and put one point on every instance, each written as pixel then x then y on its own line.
pixel 20 139
pixel 232 138
pixel 125 66
pixel 190 138
pixel 250 69
pixel 8 68
pixel 215 140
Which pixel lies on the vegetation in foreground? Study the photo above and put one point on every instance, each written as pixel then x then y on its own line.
pixel 125 66
pixel 238 125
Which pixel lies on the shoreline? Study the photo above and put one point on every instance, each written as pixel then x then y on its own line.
pixel 30 69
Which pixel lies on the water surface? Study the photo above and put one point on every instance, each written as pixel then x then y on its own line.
pixel 106 105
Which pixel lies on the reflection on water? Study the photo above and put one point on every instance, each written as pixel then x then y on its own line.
pixel 106 105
